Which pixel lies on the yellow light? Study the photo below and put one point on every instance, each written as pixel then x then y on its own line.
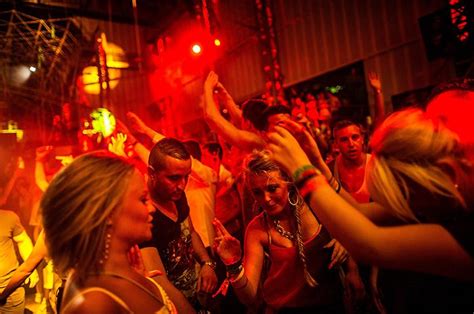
pixel 217 42
pixel 116 60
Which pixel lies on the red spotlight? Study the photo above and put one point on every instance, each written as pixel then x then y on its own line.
pixel 196 49
pixel 217 42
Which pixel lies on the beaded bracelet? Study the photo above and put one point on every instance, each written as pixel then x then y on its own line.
pixel 299 172
pixel 331 183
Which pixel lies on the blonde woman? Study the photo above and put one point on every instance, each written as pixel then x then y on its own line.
pixel 301 275
pixel 420 178
pixel 94 212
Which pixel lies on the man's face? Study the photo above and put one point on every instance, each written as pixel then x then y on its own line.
pixel 169 183
pixel 349 141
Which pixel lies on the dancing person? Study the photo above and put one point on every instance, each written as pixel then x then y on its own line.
pixel 12 233
pixel 302 273
pixel 94 213
pixel 175 243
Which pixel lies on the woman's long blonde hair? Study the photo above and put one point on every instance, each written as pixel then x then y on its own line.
pixel 76 207
pixel 407 149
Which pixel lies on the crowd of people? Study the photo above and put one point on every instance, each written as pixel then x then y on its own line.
pixel 281 215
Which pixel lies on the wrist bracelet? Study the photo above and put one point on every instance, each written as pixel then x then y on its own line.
pixel 298 172
pixel 242 285
pixel 239 276
pixel 305 179
pixel 339 186
pixel 211 264
pixel 235 268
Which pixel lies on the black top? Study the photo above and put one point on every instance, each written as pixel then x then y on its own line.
pixel 173 241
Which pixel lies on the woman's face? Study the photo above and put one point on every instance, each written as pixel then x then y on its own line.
pixel 132 223
pixel 270 191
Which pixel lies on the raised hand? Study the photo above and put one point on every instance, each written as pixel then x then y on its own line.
pixel 304 138
pixel 227 247
pixel 117 144
pixel 137 124
pixel 211 82
pixel 286 150
pixel 375 81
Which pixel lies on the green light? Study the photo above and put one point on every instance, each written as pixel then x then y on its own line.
pixel 103 122
pixel 334 89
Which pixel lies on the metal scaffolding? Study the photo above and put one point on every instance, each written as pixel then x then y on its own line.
pixel 50 48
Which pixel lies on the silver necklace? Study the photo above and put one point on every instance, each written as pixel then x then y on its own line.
pixel 279 228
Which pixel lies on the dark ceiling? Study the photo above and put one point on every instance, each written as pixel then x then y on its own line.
pixel 153 13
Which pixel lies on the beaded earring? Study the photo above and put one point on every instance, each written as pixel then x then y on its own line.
pixel 108 236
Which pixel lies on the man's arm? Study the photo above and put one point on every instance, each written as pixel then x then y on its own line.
pixel 234 112
pixel 207 277
pixel 244 140
pixel 376 85
pixel 152 261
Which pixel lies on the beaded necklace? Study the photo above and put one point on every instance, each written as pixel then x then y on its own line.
pixel 279 228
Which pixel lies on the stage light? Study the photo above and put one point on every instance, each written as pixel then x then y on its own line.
pixel 217 42
pixel 32 69
pixel 19 74
pixel 103 121
pixel 196 49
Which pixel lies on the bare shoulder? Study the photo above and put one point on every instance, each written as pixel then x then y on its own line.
pixel 93 301
pixel 257 228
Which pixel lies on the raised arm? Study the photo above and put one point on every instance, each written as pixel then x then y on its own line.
pixel 142 152
pixel 242 139
pixel 244 280
pixel 376 85
pixel 40 175
pixel 375 212
pixel 141 127
pixel 229 104
pixel 425 248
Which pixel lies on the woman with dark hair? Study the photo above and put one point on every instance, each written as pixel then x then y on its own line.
pixel 301 275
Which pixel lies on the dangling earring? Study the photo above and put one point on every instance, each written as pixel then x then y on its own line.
pixel 108 236
pixel 296 202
